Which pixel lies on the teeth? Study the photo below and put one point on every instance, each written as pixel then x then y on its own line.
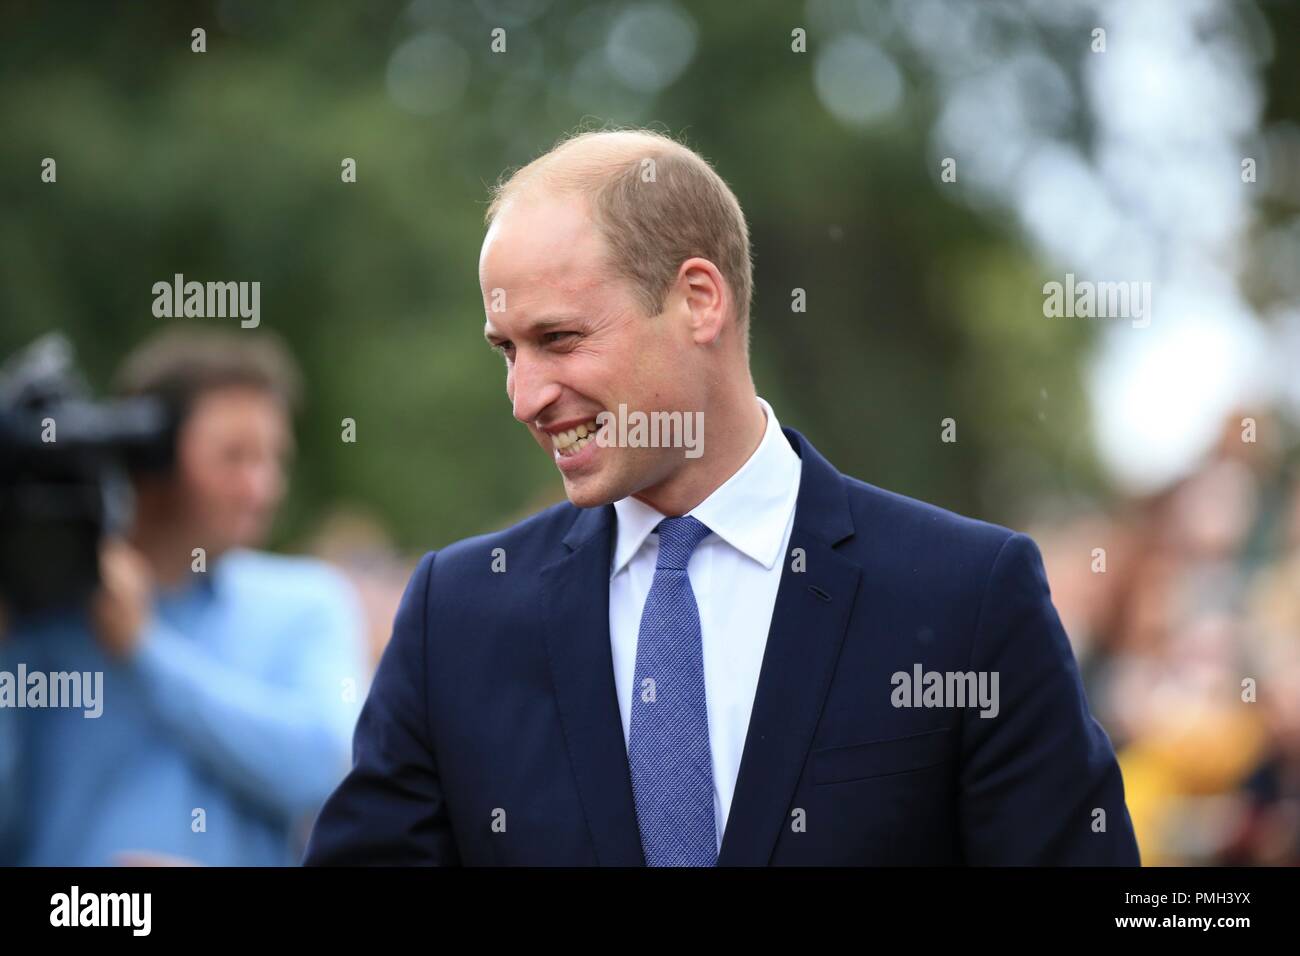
pixel 575 439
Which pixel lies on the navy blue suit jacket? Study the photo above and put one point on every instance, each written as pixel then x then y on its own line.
pixel 491 734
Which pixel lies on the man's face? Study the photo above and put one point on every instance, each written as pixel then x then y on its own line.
pixel 231 459
pixel 577 343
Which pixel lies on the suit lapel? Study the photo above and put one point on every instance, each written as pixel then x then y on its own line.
pixel 575 592
pixel 808 624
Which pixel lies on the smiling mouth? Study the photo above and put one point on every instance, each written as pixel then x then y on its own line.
pixel 574 440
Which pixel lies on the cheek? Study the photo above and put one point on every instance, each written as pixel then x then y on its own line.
pixel 646 359
pixel 216 487
pixel 605 369
pixel 207 479
pixel 276 482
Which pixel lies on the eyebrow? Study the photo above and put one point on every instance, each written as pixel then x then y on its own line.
pixel 541 325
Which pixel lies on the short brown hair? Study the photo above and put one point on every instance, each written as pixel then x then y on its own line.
pixel 650 231
pixel 183 362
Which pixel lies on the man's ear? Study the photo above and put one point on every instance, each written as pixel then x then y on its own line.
pixel 706 297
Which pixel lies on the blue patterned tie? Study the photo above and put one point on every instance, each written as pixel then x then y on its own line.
pixel 668 741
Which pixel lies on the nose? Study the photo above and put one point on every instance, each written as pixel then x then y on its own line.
pixel 530 387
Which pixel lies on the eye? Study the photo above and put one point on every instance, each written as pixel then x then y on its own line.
pixel 550 338
pixel 504 348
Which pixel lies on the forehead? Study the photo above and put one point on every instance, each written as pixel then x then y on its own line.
pixel 544 251
pixel 235 406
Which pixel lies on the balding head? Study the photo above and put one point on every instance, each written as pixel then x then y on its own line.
pixel 656 202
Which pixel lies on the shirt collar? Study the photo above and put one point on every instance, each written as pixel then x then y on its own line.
pixel 750 510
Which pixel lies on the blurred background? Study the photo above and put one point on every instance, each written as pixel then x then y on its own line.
pixel 1158 466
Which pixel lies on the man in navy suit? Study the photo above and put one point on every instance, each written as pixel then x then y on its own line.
pixel 719 650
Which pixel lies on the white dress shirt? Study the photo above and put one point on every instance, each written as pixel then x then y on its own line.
pixel 734 572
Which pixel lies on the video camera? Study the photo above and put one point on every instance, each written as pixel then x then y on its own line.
pixel 64 467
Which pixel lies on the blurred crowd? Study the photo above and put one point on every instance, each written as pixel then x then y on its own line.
pixel 1184 611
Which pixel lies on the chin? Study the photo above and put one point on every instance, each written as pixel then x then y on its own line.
pixel 580 500
pixel 246 537
pixel 588 495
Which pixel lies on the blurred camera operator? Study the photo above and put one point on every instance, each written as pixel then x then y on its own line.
pixel 230 676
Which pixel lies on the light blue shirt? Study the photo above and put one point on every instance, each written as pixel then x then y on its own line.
pixel 219 738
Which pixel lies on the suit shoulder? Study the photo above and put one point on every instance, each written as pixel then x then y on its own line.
pixel 889 515
pixel 528 541
pixel 929 552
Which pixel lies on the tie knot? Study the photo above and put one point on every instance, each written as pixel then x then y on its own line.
pixel 678 539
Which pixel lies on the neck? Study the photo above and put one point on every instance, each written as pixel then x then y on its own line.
pixel 735 429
